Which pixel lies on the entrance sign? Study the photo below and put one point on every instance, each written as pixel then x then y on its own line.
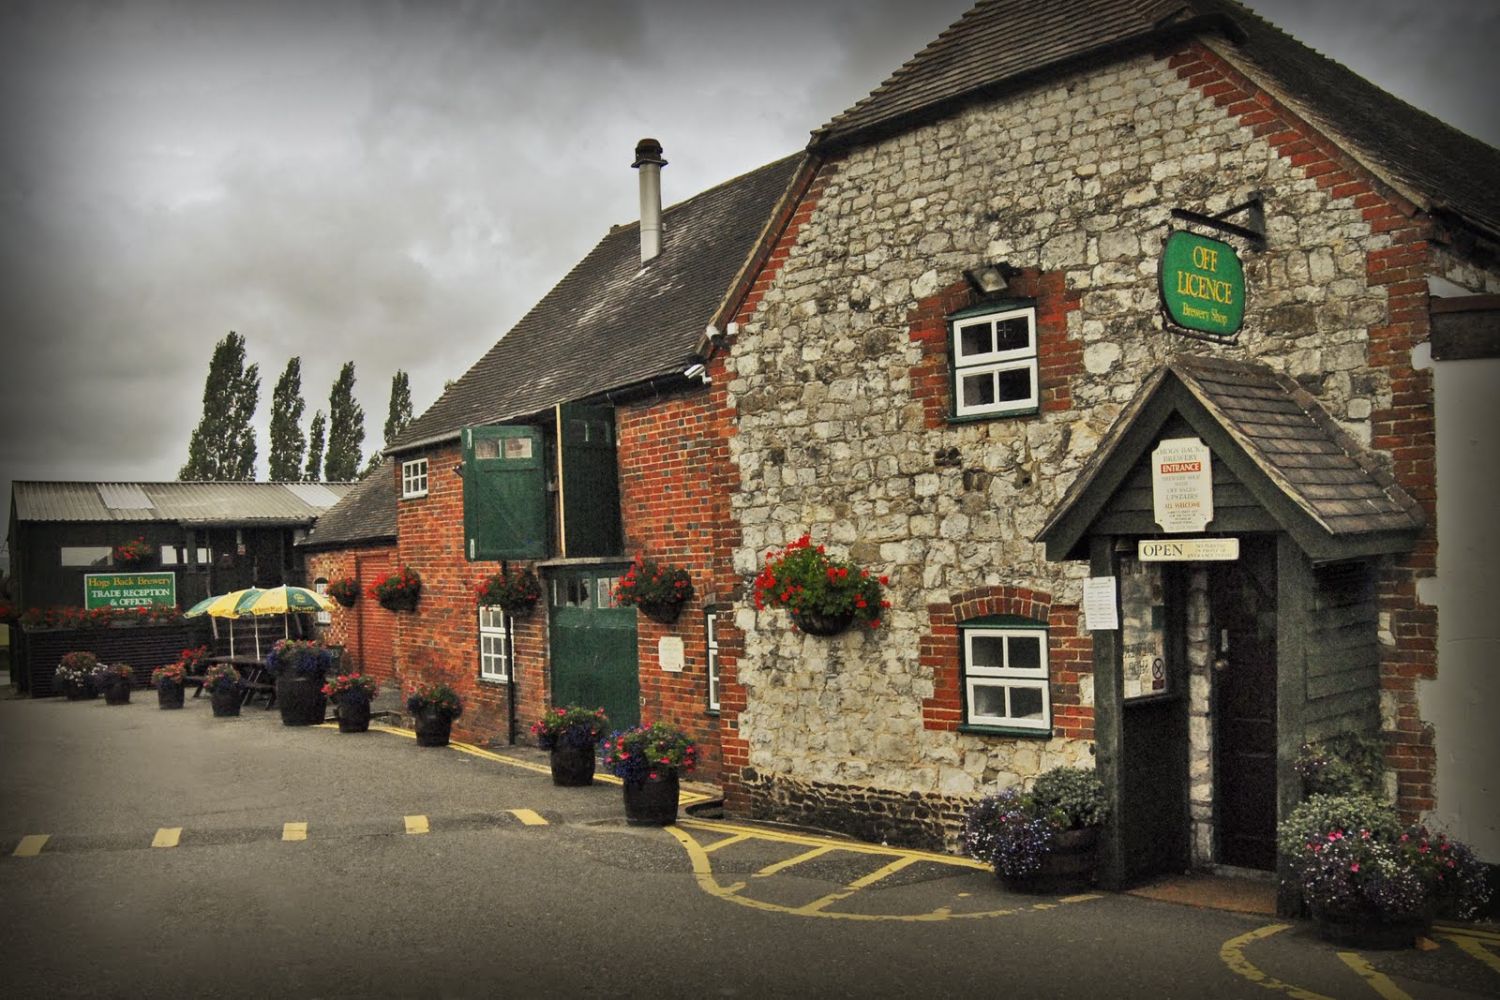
pixel 669 653
pixel 1188 549
pixel 1182 488
pixel 129 590
pixel 1202 284
pixel 1100 604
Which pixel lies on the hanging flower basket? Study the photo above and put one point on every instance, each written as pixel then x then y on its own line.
pixel 823 595
pixel 133 554
pixel 398 591
pixel 516 592
pixel 345 590
pixel 658 590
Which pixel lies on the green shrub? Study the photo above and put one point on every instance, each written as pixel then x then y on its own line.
pixel 1312 820
pixel 1345 764
pixel 1074 792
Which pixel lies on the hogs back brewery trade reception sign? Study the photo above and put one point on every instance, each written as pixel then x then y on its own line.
pixel 129 590
pixel 1202 284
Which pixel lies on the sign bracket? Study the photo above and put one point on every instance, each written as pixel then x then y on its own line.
pixel 1253 230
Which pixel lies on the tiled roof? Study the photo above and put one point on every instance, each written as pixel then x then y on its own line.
pixel 613 322
pixel 366 514
pixel 1001 44
pixel 1305 457
pixel 182 503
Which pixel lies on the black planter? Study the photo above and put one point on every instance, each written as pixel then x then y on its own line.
pixel 665 612
pixel 433 727
pixel 76 690
pixel 1366 930
pixel 399 603
pixel 354 715
pixel 300 698
pixel 226 701
pixel 169 695
pixel 1068 867
pixel 652 802
pixel 572 767
pixel 117 691
pixel 815 623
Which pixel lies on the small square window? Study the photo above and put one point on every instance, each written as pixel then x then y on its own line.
pixel 1005 677
pixel 414 479
pixel 995 363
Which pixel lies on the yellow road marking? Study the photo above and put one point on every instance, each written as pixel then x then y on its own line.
pixel 735 839
pixel 30 845
pixel 529 817
pixel 416 824
pixel 1377 981
pixel 833 843
pixel 167 836
pixel 856 885
pixel 294 831
pixel 703 874
pixel 1232 954
pixel 1081 898
pixel 1473 947
pixel 1466 930
pixel 816 852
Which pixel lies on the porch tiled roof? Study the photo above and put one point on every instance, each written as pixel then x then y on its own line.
pixel 366 514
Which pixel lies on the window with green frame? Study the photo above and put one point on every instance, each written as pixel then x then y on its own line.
pixel 1005 679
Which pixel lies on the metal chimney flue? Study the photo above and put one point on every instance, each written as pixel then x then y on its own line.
pixel 649 162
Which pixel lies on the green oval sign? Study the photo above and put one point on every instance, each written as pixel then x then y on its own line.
pixel 1202 284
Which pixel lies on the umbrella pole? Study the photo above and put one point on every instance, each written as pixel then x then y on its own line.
pixel 231 637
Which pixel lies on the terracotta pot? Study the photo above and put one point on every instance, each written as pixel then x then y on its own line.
pixel 815 623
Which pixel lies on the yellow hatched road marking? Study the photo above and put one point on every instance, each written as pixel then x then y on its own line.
pixel 816 852
pixel 1232 954
pixel 294 831
pixel 167 836
pixel 856 885
pixel 833 843
pixel 416 824
pixel 735 839
pixel 30 845
pixel 1472 947
pixel 529 817
pixel 1466 931
pixel 1377 981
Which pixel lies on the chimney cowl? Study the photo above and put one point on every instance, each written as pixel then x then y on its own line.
pixel 648 151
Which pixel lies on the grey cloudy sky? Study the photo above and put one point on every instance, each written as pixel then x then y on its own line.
pixel 396 183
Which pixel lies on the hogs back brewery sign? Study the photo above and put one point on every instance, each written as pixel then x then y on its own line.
pixel 1202 284
pixel 1182 490
pixel 129 590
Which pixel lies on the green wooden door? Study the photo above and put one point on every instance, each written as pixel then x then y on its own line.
pixel 594 660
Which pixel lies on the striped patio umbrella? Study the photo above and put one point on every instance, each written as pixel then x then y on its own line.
pixel 286 601
pixel 231 606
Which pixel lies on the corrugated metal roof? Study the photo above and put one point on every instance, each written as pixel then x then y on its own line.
pixel 186 503
pixel 314 494
pixel 124 496
pixel 1001 44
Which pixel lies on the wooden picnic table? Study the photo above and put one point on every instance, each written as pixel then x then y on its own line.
pixel 257 679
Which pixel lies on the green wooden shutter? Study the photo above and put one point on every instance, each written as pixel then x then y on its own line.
pixel 505 493
pixel 590 481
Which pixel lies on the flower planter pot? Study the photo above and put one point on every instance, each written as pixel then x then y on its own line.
pixel 399 603
pixel 345 602
pixel 1068 867
pixel 815 623
pixel 76 691
pixel 354 715
pixel 169 695
pixel 225 701
pixel 572 767
pixel 1368 930
pixel 666 613
pixel 652 802
pixel 300 698
pixel 433 727
pixel 117 691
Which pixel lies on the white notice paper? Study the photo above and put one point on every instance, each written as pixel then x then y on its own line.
pixel 1100 607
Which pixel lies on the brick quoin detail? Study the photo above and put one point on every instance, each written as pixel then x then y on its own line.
pixel 729 588
pixel 1405 431
pixel 1058 357
pixel 1069 655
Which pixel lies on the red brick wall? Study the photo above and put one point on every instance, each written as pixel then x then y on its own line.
pixel 366 631
pixel 1405 430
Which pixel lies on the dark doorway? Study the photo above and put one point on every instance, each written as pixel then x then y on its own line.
pixel 1242 608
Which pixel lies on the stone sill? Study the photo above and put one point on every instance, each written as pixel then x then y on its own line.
pixel 1029 734
pixel 979 417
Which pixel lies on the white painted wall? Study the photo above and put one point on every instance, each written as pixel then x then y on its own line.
pixel 1464 702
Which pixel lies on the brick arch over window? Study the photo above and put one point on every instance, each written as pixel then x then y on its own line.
pixel 1069 653
pixel 1059 358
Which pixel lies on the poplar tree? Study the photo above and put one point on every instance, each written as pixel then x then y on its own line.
pixel 397 417
pixel 315 449
pixel 287 440
pixel 222 446
pixel 346 429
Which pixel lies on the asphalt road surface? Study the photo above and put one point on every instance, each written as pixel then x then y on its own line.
pixel 147 852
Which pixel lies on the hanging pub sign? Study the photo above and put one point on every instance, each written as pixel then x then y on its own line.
pixel 1182 487
pixel 1202 284
pixel 129 590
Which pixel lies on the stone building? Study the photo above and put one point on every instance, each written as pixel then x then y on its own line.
pixel 960 370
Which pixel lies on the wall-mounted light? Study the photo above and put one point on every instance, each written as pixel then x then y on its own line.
pixel 990 279
pixel 697 371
